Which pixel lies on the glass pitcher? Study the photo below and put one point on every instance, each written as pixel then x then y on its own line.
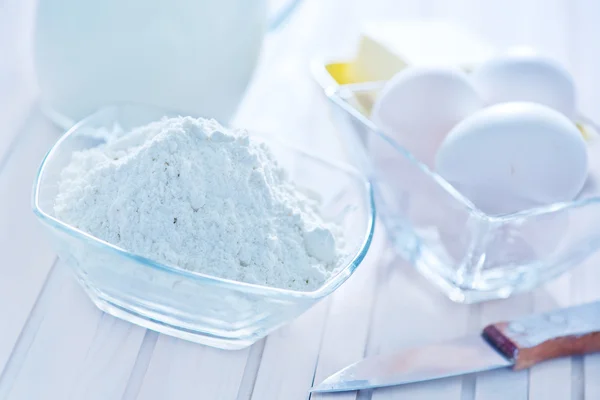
pixel 194 56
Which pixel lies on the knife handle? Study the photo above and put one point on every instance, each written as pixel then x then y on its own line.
pixel 532 339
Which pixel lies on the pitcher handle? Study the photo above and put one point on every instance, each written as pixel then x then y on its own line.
pixel 280 16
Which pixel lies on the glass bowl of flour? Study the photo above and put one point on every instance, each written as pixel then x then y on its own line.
pixel 212 235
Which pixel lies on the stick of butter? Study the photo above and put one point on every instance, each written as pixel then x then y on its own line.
pixel 388 46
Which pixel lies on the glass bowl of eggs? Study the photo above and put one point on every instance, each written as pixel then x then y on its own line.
pixel 486 181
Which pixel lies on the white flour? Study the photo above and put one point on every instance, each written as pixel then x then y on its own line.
pixel 187 192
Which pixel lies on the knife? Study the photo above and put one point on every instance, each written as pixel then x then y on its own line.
pixel 519 344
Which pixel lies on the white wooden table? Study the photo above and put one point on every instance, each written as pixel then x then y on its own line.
pixel 54 344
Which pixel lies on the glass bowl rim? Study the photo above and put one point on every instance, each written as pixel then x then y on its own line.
pixel 327 288
pixel 337 94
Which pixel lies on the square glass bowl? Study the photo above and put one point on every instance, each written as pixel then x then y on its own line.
pixel 189 305
pixel 467 254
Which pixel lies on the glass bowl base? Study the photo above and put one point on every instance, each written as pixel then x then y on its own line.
pixel 466 295
pixel 523 279
pixel 106 304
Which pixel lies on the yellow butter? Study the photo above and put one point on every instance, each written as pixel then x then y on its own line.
pixel 388 46
pixel 341 72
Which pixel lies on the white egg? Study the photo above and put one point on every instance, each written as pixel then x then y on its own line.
pixel 514 156
pixel 525 76
pixel 419 106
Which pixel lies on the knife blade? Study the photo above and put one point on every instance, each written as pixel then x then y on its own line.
pixel 519 344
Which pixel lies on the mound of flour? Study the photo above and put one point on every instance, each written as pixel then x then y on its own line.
pixel 189 193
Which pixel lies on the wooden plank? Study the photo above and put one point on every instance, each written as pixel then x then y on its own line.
pixel 409 311
pixel 27 336
pixel 347 327
pixel 504 383
pixel 17 89
pixel 251 370
pixel 141 365
pixel 74 351
pixel 584 289
pixel 290 357
pixel 591 373
pixel 15 105
pixel 26 252
pixel 584 57
pixel 185 370
pixel 552 378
